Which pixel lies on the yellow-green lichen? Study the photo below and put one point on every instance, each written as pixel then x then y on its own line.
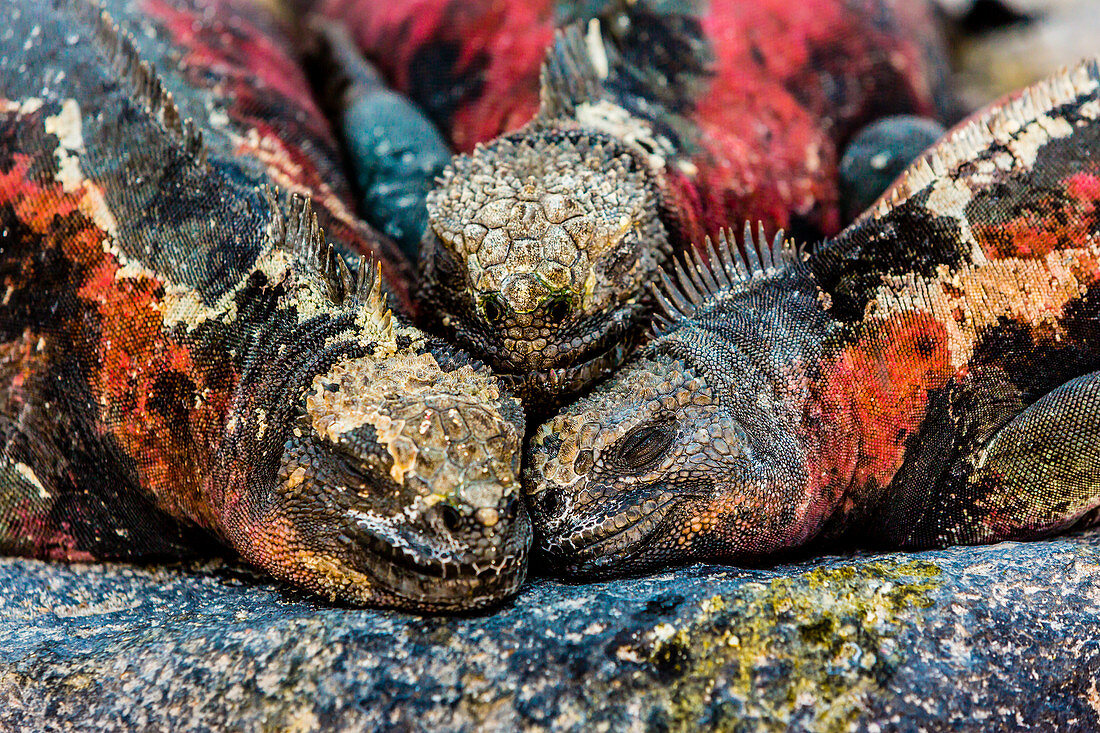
pixel 801 651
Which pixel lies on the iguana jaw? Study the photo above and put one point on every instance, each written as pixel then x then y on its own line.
pixel 364 571
pixel 616 545
pixel 355 536
pixel 432 584
pixel 588 358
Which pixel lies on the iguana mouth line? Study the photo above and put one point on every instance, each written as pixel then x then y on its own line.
pixel 434 567
pixel 567 378
pixel 471 587
pixel 433 577
pixel 610 538
pixel 600 356
pixel 592 355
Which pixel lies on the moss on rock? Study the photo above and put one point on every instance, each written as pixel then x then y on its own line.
pixel 802 650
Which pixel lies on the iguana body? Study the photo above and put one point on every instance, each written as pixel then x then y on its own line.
pixel 927 377
pixel 231 64
pixel 183 356
pixel 658 126
pixel 784 82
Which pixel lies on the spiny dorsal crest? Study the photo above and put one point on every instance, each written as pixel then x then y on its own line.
pixel 145 85
pixel 726 268
pixel 296 230
pixel 574 70
pixel 303 236
pixel 998 125
pixel 375 316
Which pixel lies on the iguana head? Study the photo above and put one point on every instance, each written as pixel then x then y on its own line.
pixel 538 251
pixel 694 450
pixel 401 475
pixel 395 457
pixel 655 468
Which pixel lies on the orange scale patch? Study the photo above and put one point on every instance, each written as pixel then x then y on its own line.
pixel 154 398
pixel 35 205
pixel 886 376
pixel 138 372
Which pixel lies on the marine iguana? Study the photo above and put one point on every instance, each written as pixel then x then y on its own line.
pixel 185 359
pixel 928 377
pixel 658 123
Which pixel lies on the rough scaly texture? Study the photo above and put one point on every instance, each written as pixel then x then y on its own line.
pixel 660 124
pixel 928 377
pixel 185 358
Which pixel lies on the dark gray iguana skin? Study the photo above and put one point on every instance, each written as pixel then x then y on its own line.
pixel 928 377
pixel 183 356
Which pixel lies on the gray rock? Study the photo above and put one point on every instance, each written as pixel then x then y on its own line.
pixel 1001 637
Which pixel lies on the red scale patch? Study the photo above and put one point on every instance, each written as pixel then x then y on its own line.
pixel 136 366
pixel 791 82
pixel 885 377
pixel 1065 222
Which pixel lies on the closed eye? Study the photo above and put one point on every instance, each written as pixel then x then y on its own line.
pixel 644 446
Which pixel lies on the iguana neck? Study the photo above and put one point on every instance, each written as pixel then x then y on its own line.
pixel 768 348
pixel 279 366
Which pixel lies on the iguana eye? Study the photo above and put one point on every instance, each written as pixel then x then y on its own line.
pixel 644 445
pixel 492 308
pixel 557 310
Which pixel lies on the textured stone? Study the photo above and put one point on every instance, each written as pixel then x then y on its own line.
pixel 996 637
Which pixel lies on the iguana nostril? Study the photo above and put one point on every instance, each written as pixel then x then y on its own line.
pixel 549 502
pixel 557 310
pixel 493 309
pixel 451 518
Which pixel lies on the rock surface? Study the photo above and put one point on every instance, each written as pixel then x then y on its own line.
pixel 1003 637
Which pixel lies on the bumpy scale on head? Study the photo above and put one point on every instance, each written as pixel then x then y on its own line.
pixel 541 245
pixel 441 431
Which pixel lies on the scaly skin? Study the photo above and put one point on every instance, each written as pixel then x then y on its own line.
pixel 542 271
pixel 185 359
pixel 230 65
pixel 682 118
pixel 928 377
